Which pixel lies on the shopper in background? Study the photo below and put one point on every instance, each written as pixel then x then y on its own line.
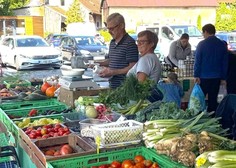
pixel 179 50
pixel 123 52
pixel 211 65
pixel 171 89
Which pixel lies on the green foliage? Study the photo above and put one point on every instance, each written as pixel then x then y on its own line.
pixel 105 34
pixel 226 17
pixel 199 22
pixel 74 13
pixel 8 5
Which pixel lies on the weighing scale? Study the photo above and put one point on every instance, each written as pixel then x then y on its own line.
pixel 78 83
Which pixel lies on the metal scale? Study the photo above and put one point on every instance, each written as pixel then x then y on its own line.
pixel 78 83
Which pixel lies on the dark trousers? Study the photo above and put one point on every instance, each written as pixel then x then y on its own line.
pixel 211 87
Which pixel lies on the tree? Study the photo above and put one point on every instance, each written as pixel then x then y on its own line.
pixel 74 13
pixel 6 6
pixel 199 22
pixel 226 17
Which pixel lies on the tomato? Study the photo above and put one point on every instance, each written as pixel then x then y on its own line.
pixel 44 131
pixel 127 163
pixel 140 165
pixel 57 153
pixel 50 152
pixel 138 158
pixel 66 149
pixel 155 165
pixel 104 166
pixel 116 164
pixel 147 163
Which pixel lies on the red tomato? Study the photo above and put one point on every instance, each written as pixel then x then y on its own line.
pixel 57 153
pixel 66 149
pixel 127 163
pixel 115 164
pixel 45 136
pixel 103 166
pixel 57 126
pixel 155 165
pixel 138 158
pixel 147 163
pixel 38 133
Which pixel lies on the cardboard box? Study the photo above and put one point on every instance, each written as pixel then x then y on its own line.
pixel 35 148
pixel 69 96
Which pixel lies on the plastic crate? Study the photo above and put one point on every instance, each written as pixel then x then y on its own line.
pixel 23 112
pixel 14 83
pixel 24 104
pixel 118 133
pixel 3 142
pixel 108 157
pixel 76 116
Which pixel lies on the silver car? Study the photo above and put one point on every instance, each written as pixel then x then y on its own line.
pixel 26 52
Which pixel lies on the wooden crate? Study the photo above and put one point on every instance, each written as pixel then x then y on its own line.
pixel 36 147
pixel 69 96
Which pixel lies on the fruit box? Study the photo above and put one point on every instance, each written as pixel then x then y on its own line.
pixel 79 146
pixel 16 130
pixel 120 155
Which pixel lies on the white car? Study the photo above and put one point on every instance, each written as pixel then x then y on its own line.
pixel 28 51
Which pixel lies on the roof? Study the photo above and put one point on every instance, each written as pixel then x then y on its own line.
pixel 161 3
pixel 226 1
pixel 58 9
pixel 92 5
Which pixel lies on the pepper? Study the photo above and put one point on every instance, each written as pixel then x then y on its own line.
pixel 33 112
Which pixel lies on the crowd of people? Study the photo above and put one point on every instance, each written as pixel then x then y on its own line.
pixel 127 56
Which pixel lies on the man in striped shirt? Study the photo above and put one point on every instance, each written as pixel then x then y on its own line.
pixel 123 52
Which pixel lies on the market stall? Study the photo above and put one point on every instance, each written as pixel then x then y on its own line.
pixel 87 126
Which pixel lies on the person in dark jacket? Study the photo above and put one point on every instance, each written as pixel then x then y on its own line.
pixel 231 78
pixel 211 65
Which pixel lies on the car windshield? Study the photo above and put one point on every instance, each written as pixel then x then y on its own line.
pixel 31 42
pixel 88 41
pixel 192 31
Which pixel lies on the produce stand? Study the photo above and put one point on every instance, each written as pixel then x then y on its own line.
pixel 46 135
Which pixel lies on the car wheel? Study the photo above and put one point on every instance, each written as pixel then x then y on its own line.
pixel 17 65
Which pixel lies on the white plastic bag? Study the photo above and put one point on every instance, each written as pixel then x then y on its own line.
pixel 222 93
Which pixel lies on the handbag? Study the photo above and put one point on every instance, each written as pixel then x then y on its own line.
pixel 222 93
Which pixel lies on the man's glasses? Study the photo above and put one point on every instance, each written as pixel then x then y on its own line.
pixel 112 28
pixel 141 42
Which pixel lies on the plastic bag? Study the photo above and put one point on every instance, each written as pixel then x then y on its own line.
pixel 222 93
pixel 197 99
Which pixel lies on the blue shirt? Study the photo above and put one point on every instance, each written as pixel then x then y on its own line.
pixel 171 92
pixel 120 55
pixel 211 59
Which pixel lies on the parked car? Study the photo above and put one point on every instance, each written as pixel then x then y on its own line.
pixel 54 39
pixel 87 47
pixel 230 38
pixel 26 52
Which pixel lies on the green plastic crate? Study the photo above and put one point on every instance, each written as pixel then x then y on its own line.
pixel 3 142
pixel 14 83
pixel 107 158
pixel 24 104
pixel 23 112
